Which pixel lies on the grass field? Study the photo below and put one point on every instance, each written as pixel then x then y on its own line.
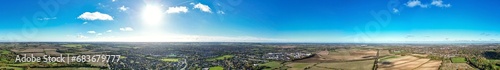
pixel 458 60
pixel 4 52
pixel 216 68
pixel 21 64
pixel 15 68
pixel 299 66
pixel 75 45
pixel 123 46
pixel 272 64
pixel 170 59
pixel 68 68
pixel 457 66
pixel 221 57
pixel 122 57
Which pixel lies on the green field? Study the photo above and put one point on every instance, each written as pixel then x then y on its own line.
pixel 170 59
pixel 75 45
pixel 216 68
pixel 21 64
pixel 458 60
pixel 15 68
pixel 272 64
pixel 221 57
pixel 68 68
pixel 300 65
pixel 5 52
pixel 122 57
pixel 123 46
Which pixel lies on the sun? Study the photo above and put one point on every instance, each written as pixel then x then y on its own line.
pixel 152 15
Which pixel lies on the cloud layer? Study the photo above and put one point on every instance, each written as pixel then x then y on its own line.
pixel 123 8
pixel 437 3
pixel 95 16
pixel 413 3
pixel 126 29
pixel 178 9
pixel 91 32
pixel 202 7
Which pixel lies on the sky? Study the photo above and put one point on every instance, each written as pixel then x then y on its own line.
pixel 325 21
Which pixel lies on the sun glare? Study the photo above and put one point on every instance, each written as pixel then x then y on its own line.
pixel 152 15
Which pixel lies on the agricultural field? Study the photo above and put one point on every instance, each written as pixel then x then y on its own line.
pixel 22 64
pixel 298 66
pixel 352 59
pixel 4 52
pixel 32 50
pixel 409 62
pixel 216 68
pixel 15 68
pixel 170 59
pixel 388 57
pixel 456 66
pixel 68 68
pixel 420 55
pixel 344 55
pixel 272 64
pixel 75 45
pixel 458 60
pixel 221 57
pixel 351 65
pixel 430 65
pixel 352 54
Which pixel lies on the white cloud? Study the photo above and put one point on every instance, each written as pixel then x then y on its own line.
pixel 95 16
pixel 98 34
pixel 413 3
pixel 47 18
pixel 80 36
pixel 109 31
pixel 91 32
pixel 202 7
pixel 113 0
pixel 439 3
pixel 85 22
pixel 126 29
pixel 177 9
pixel 395 10
pixel 221 12
pixel 123 8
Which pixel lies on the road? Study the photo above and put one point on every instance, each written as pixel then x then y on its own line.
pixel 185 65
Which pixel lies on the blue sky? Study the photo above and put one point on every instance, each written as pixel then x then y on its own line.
pixel 250 20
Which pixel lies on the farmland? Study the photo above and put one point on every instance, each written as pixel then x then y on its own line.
pixel 298 66
pixel 216 68
pixel 170 59
pixel 221 57
pixel 352 65
pixel 409 62
pixel 67 68
pixel 458 60
pixel 272 64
